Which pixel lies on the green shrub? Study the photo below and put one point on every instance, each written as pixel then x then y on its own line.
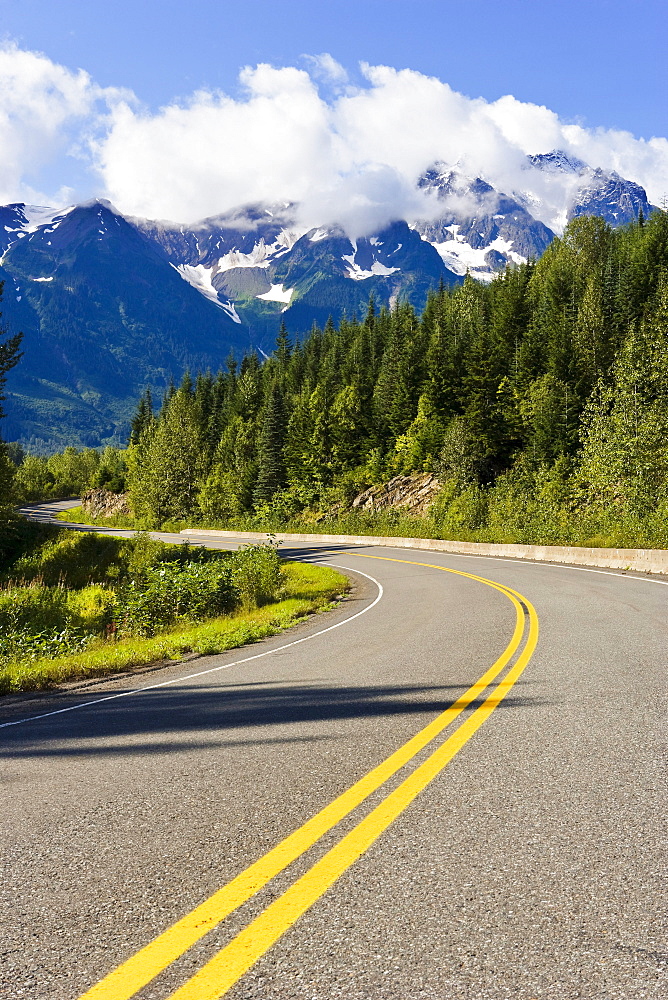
pixel 143 553
pixel 459 509
pixel 72 559
pixel 32 608
pixel 148 587
pixel 307 590
pixel 174 592
pixel 256 574
pixel 91 609
pixel 37 607
pixel 75 559
pixel 29 646
pixel 42 621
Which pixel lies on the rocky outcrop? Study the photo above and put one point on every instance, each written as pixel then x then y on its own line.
pixel 103 503
pixel 412 494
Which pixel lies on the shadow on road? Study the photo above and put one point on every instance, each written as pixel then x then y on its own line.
pixel 188 717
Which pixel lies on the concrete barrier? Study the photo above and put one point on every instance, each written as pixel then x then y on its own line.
pixel 636 560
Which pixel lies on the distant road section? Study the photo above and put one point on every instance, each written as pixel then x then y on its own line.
pixel 455 794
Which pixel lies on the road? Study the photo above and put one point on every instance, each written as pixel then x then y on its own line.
pixel 514 850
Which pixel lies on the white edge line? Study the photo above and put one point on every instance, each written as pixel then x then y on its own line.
pixel 210 670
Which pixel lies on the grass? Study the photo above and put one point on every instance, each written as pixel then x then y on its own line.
pixel 306 590
pixel 77 515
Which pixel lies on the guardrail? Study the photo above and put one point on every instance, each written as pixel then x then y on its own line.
pixel 636 560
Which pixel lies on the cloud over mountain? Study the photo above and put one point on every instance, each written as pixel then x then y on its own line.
pixel 47 112
pixel 346 154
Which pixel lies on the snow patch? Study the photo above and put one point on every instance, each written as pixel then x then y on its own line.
pixel 277 294
pixel 262 253
pixel 460 257
pixel 256 258
pixel 231 311
pixel 199 277
pixel 288 237
pixel 359 274
pixel 36 217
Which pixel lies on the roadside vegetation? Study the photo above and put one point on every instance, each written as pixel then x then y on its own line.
pixel 77 515
pixel 76 605
pixel 540 401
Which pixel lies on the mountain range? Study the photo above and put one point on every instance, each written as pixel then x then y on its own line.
pixel 111 304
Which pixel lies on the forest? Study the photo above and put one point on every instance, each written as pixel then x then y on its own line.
pixel 540 401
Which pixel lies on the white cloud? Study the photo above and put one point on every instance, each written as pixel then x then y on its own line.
pixel 187 162
pixel 325 67
pixel 346 154
pixel 45 112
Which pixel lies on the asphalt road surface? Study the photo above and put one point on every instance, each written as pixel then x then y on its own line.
pixel 268 823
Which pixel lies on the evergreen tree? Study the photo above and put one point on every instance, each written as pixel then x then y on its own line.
pixel 283 350
pixel 271 464
pixel 143 417
pixel 167 463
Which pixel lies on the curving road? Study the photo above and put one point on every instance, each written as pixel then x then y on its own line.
pixel 399 799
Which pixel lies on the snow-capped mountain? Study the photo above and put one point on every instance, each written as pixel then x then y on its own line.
pixel 18 221
pixel 111 304
pixel 591 191
pixel 481 230
pixel 259 264
pixel 229 257
pixel 103 315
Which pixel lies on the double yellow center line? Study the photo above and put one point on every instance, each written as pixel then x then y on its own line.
pixel 215 978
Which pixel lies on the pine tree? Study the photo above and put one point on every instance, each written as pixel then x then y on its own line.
pixel 167 464
pixel 271 464
pixel 143 417
pixel 283 350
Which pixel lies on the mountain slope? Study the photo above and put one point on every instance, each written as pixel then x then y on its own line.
pixel 103 316
pixel 262 268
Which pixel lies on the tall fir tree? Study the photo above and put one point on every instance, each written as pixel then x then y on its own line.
pixel 271 462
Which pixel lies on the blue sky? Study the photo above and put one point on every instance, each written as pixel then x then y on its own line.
pixel 161 122
pixel 602 61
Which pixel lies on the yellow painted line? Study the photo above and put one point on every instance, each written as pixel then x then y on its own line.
pixel 228 966
pixel 135 973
